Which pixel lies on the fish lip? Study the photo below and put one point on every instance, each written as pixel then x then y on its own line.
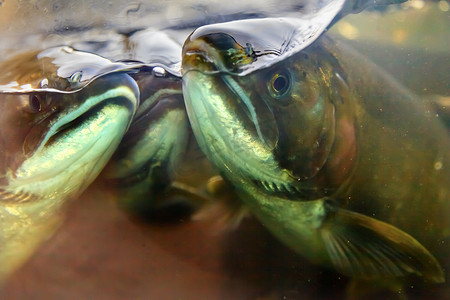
pixel 200 55
pixel 79 114
pixel 207 54
pixel 193 57
pixel 77 120
pixel 226 151
pixel 26 183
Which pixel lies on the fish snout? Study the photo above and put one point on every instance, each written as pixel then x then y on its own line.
pixel 215 52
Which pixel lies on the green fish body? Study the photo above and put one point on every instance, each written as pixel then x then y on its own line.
pixel 335 158
pixel 107 102
pixel 145 163
pixel 56 139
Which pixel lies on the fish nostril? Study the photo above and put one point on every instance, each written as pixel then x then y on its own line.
pixel 199 62
pixel 35 103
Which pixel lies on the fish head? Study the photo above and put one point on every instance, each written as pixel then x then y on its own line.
pixel 54 143
pixel 276 124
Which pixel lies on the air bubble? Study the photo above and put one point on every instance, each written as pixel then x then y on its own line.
pixel 76 77
pixel 159 72
pixel 67 49
pixel 44 83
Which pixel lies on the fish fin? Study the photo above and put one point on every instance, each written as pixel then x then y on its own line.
pixel 178 202
pixel 225 220
pixel 226 210
pixel 149 201
pixel 193 195
pixel 365 248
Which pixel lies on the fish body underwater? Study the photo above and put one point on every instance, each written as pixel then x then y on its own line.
pixel 331 154
pixel 144 165
pixel 70 115
pixel 53 145
pixel 105 105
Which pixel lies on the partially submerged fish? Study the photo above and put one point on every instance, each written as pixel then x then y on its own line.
pixel 334 157
pixel 144 165
pixel 54 144
pixel 145 162
pixel 65 113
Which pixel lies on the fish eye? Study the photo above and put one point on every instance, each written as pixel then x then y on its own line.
pixel 279 84
pixel 35 103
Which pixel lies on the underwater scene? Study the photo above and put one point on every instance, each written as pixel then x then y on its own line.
pixel 224 150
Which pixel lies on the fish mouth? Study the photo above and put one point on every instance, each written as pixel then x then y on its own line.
pixel 79 118
pixel 279 189
pixel 228 139
pixel 88 110
pixel 218 54
pixel 78 145
pixel 215 52
pixel 220 100
pixel 200 56
pixel 216 58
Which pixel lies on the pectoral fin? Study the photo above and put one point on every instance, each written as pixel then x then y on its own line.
pixel 226 209
pixel 365 248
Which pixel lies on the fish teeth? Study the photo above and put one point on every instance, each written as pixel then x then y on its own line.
pixel 289 188
pixel 264 184
pixel 6 195
pixel 16 197
pixel 284 188
pixel 280 188
pixel 277 187
pixel 26 197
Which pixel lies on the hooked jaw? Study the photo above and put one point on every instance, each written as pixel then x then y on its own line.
pixel 195 57
pixel 225 135
pixel 215 52
pixel 78 144
pixel 71 155
pixel 235 129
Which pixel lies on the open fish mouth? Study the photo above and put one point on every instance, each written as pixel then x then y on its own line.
pixel 89 109
pixel 232 143
pixel 229 116
pixel 240 129
pixel 219 55
pixel 228 139
pixel 77 146
pixel 280 189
